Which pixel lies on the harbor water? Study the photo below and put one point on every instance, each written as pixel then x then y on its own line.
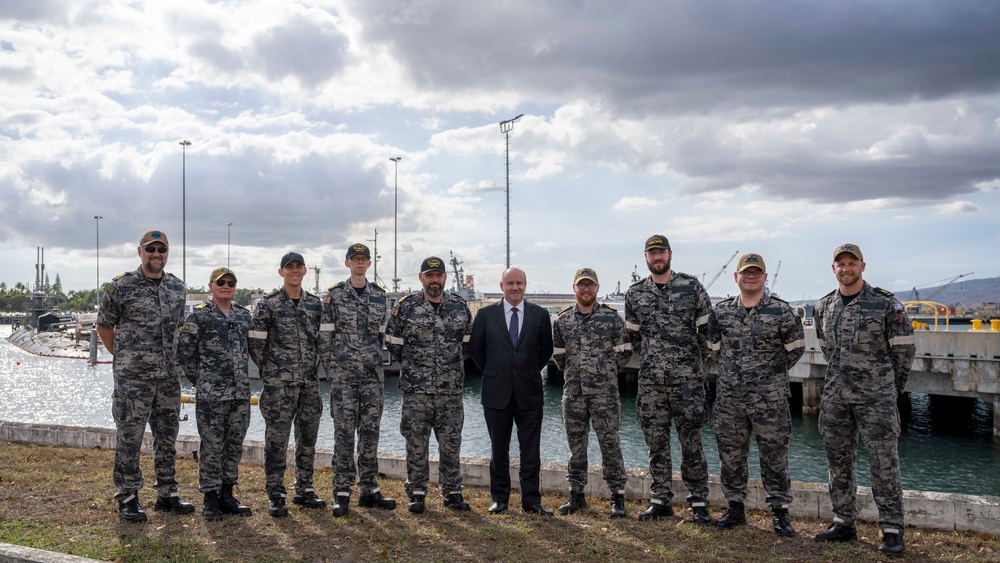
pixel 946 444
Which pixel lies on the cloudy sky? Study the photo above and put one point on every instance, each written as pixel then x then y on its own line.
pixel 778 127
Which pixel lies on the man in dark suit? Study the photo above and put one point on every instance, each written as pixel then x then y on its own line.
pixel 511 342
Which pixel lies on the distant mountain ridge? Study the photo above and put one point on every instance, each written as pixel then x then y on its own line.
pixel 963 293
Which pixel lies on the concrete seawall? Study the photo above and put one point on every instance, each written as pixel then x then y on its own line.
pixel 943 511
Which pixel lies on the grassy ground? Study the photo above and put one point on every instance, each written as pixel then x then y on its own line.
pixel 59 499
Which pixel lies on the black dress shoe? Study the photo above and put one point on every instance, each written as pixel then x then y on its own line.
pixel 174 504
pixel 497 507
pixel 539 510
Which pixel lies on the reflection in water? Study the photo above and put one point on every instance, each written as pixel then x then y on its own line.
pixel 947 443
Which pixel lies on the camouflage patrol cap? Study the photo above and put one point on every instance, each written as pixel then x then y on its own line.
pixel 750 261
pixel 432 264
pixel 657 241
pixel 356 249
pixel 154 236
pixel 219 272
pixel 585 274
pixel 290 257
pixel 850 249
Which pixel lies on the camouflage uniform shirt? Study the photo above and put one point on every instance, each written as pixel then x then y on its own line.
pixel 284 337
pixel 353 331
pixel 212 350
pixel 868 345
pixel 756 349
pixel 590 350
pixel 145 316
pixel 430 343
pixel 671 328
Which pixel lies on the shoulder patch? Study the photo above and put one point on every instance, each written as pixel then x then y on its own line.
pixel 201 306
pixel 120 276
pixel 189 328
pixel 109 288
pixel 238 306
pixel 262 306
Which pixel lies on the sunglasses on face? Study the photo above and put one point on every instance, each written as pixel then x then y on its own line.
pixel 155 249
pixel 230 283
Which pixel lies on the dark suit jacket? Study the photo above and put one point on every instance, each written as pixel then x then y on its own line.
pixel 508 370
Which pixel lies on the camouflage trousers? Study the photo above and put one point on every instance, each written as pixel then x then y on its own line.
pixel 771 422
pixel 604 411
pixel 356 411
pixel 657 406
pixel 135 403
pixel 222 425
pixel 281 406
pixel 878 425
pixel 445 415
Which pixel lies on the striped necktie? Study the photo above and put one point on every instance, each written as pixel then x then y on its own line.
pixel 513 327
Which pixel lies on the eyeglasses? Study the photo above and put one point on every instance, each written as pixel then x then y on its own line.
pixel 154 249
pixel 230 283
pixel 586 286
pixel 754 274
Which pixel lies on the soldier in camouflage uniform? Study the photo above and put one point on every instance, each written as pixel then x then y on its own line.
pixel 868 343
pixel 428 334
pixel 590 347
pixel 285 344
pixel 354 317
pixel 139 315
pixel 758 337
pixel 211 348
pixel 668 316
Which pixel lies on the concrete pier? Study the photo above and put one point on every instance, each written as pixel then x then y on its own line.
pixel 944 511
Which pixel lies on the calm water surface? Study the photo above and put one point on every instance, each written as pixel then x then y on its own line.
pixel 947 445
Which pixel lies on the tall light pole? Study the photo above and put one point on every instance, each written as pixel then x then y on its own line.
pixel 184 145
pixel 376 256
pixel 97 222
pixel 395 222
pixel 505 127
pixel 229 231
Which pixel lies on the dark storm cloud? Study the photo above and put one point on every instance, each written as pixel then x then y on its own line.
pixel 296 203
pixel 698 54
pixel 309 51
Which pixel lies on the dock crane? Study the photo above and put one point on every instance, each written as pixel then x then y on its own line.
pixel 317 270
pixel 774 281
pixel 918 297
pixel 722 269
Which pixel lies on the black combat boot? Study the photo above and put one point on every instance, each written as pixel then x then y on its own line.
pixel 416 504
pixel 129 509
pixel 657 509
pixel 700 515
pixel 229 504
pixel 455 501
pixel 276 505
pixel 376 500
pixel 341 504
pixel 308 499
pixel 618 505
pixel 838 532
pixel 211 510
pixel 735 516
pixel 781 522
pixel 577 501
pixel 174 504
pixel 892 543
